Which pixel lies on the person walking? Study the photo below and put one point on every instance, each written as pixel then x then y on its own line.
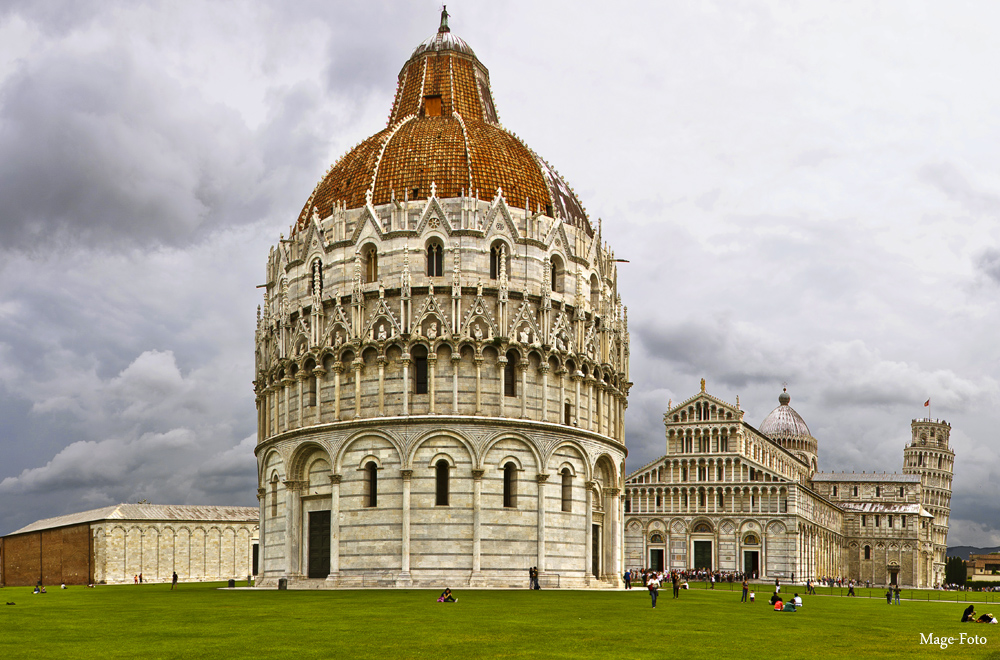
pixel 628 579
pixel 173 581
pixel 654 589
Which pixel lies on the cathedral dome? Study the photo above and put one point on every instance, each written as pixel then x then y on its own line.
pixel 443 134
pixel 783 423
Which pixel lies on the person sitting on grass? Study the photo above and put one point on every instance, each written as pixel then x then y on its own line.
pixel 797 600
pixel 779 605
pixel 986 618
pixel 969 614
pixel 775 598
pixel 789 606
pixel 446 596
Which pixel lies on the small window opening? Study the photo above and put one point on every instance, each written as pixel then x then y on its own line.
pixel 868 552
pixel 435 260
pixel 510 486
pixel 371 484
pixel 510 374
pixel 371 264
pixel 274 496
pixel 419 370
pixel 441 482
pixel 432 106
pixel 567 414
pixel 567 493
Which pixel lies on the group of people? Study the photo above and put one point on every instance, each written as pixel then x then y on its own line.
pixel 791 605
pixel 892 591
pixel 653 579
pixel 533 578
pixel 969 616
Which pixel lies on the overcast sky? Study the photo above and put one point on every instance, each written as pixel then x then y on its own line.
pixel 806 193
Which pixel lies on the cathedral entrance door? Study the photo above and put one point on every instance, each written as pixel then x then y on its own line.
pixel 893 575
pixel 702 555
pixel 595 540
pixel 656 559
pixel 319 544
pixel 751 562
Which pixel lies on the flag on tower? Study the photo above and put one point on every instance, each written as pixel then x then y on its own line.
pixel 927 403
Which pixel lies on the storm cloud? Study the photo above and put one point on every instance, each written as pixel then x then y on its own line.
pixel 804 197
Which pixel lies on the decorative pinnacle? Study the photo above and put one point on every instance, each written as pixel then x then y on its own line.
pixel 444 19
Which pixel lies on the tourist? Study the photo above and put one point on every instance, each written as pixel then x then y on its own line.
pixel 62 586
pixel 888 597
pixel 654 588
pixel 628 579
pixel 896 590
pixel 850 589
pixel 676 581
pixel 797 600
pixel 446 596
pixel 986 618
pixel 778 604
pixel 969 614
pixel 173 581
pixel 777 586
pixel 746 588
pixel 752 595
pixel 788 607
pixel 775 598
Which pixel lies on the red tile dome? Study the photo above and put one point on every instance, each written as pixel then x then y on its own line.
pixel 443 130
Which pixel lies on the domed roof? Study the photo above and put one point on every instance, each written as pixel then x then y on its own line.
pixel 783 423
pixel 443 130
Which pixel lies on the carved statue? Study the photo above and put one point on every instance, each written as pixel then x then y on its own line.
pixel 338 339
pixel 381 331
pixel 432 330
pixel 524 335
pixel 478 332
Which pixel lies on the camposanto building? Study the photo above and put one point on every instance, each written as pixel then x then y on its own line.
pixel 442 359
pixel 728 496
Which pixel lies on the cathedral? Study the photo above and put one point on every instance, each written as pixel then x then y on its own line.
pixel 441 359
pixel 730 497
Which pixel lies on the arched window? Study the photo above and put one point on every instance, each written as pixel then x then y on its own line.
pixel 557 273
pixel 441 482
pixel 316 278
pixel 371 484
pixel 435 259
pixel 567 414
pixel 510 374
pixel 567 490
pixel 419 354
pixel 371 264
pixel 510 486
pixel 595 294
pixel 868 552
pixel 751 540
pixel 274 495
pixel 498 255
pixel 656 538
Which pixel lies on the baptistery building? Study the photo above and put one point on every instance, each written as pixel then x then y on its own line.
pixel 733 497
pixel 441 359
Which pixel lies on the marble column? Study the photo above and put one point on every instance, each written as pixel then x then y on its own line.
pixel 501 367
pixel 338 368
pixel 381 385
pixel 406 383
pixel 589 522
pixel 318 374
pixel 456 359
pixel 293 528
pixel 544 368
pixel 404 578
pixel 477 532
pixel 431 377
pixel 334 527
pixel 262 530
pixel 542 478
pixel 358 366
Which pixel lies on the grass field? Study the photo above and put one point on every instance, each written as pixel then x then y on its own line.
pixel 202 621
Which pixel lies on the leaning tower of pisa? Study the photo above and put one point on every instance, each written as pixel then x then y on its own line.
pixel 929 455
pixel 441 359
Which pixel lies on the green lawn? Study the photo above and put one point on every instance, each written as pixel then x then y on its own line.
pixel 199 621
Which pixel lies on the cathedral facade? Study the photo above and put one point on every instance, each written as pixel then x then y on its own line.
pixel 441 359
pixel 731 497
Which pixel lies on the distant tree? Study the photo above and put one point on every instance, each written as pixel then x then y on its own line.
pixel 954 571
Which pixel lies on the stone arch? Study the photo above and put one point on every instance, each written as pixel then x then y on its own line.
pixel 271 463
pixel 302 456
pixel 489 445
pixel 441 433
pixel 605 466
pixel 361 435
